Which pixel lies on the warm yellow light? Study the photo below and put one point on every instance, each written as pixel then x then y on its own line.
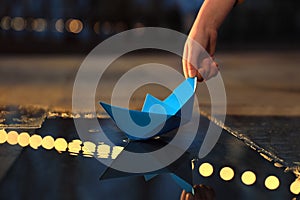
pixel 248 178
pixel 103 151
pixel 39 25
pixel 97 27
pixel 295 187
pixel 23 139
pixel 59 25
pixel 18 23
pixel 116 151
pixel 35 141
pixel 88 149
pixel 272 182
pixel 226 173
pixel 5 23
pixel 206 169
pixel 12 137
pixel 74 25
pixel 3 136
pixel 60 144
pixel 74 147
pixel 48 142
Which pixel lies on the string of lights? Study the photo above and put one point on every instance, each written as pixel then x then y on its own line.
pixel 103 151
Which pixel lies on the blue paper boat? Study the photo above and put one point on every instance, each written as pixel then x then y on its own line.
pixel 156 117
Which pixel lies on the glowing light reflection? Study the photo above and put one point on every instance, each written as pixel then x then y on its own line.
pixel 74 147
pixel 23 139
pixel 35 141
pixel 12 137
pixel 272 182
pixel 48 142
pixel 88 149
pixel 60 144
pixel 248 178
pixel 295 187
pixel 226 173
pixel 3 136
pixel 206 169
pixel 116 151
pixel 103 151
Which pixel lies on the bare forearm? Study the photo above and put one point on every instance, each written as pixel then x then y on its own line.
pixel 213 13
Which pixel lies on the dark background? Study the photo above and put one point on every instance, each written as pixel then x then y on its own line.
pixel 32 26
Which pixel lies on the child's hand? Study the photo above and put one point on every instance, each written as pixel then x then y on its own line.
pixel 196 61
pixel 204 32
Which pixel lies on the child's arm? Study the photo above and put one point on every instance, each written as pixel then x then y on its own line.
pixel 204 31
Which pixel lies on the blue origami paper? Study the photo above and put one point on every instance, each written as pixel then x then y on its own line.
pixel 163 117
pixel 156 117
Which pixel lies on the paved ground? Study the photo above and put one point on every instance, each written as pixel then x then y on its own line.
pixel 257 83
pixel 263 108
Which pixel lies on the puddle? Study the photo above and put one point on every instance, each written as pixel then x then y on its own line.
pixel 56 144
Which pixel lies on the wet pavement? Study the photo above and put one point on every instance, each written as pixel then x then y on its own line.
pixel 260 135
pixel 55 172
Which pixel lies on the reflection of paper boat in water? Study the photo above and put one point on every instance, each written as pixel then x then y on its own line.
pixel 156 117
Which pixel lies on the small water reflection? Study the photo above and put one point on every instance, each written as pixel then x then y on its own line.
pixel 248 178
pixel 48 142
pixel 74 147
pixel 116 151
pixel 226 173
pixel 60 144
pixel 35 141
pixel 272 182
pixel 23 139
pixel 12 137
pixel 3 136
pixel 88 149
pixel 295 187
pixel 103 151
pixel 206 169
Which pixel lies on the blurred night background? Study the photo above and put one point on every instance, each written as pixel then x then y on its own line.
pixel 76 26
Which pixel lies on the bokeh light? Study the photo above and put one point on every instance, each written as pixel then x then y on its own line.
pixel 295 187
pixel 48 142
pixel 248 178
pixel 103 151
pixel 97 27
pixel 59 25
pixel 74 147
pixel 39 25
pixel 12 137
pixel 272 182
pixel 226 173
pixel 5 23
pixel 88 149
pixel 74 26
pixel 3 136
pixel 18 23
pixel 60 144
pixel 35 141
pixel 206 169
pixel 116 151
pixel 23 139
